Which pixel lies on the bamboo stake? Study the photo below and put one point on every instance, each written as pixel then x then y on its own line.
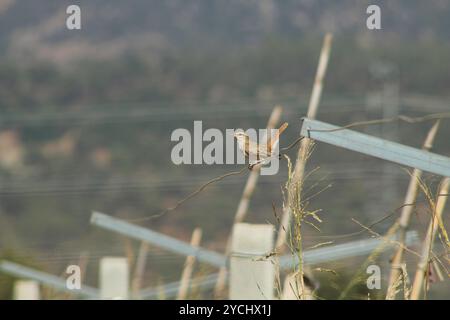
pixel 129 251
pixel 82 263
pixel 436 220
pixel 242 209
pixel 139 270
pixel 405 217
pixel 189 266
pixel 304 146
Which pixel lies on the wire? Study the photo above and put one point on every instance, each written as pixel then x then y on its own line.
pixel 181 185
pixel 154 114
pixel 202 187
pixel 434 116
pixel 191 195
pixel 289 147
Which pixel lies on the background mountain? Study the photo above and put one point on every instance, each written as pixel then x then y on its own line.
pixel 111 27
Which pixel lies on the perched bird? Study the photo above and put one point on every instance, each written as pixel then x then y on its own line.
pixel 258 152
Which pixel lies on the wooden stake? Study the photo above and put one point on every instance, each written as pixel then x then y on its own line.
pixel 139 270
pixel 292 289
pixel 405 217
pixel 82 263
pixel 423 265
pixel 189 266
pixel 129 251
pixel 242 209
pixel 304 146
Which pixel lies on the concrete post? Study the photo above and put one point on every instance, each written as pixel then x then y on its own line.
pixel 26 290
pixel 252 276
pixel 114 278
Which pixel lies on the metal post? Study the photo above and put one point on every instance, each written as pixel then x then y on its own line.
pixel 158 239
pixel 314 256
pixel 376 147
pixel 46 279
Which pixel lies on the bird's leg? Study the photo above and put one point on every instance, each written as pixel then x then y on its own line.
pixel 260 161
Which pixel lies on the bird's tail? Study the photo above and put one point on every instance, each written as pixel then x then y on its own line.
pixel 275 138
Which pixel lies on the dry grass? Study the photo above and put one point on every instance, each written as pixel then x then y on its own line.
pixel 301 215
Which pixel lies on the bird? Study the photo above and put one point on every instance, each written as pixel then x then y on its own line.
pixel 261 152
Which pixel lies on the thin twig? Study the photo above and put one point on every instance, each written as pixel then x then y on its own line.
pixel 404 219
pixel 376 234
pixel 191 195
pixel 422 266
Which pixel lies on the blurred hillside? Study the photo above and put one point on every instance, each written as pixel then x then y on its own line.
pixel 31 29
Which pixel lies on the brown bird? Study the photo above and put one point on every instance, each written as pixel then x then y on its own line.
pixel 258 151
